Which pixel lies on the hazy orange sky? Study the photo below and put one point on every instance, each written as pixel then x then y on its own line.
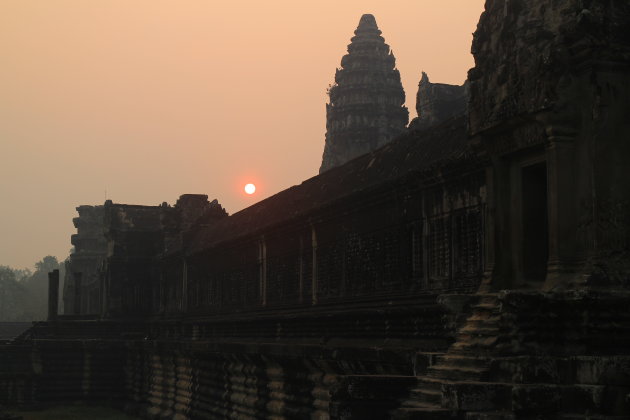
pixel 144 100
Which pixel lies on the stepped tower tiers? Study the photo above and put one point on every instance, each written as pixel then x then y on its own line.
pixel 366 101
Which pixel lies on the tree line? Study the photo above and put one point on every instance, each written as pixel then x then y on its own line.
pixel 24 293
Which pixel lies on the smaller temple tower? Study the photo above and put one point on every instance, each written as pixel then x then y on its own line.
pixel 82 286
pixel 366 101
pixel 438 102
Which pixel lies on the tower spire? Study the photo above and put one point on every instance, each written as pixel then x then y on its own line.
pixel 366 101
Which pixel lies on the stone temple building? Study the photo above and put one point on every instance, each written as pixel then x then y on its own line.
pixel 438 102
pixel 477 268
pixel 366 108
pixel 82 285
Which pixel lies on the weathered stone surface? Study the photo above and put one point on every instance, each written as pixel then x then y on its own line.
pixel 550 87
pixel 366 101
pixel 196 369
pixel 438 102
pixel 117 241
pixel 82 292
pixel 529 54
pixel 476 396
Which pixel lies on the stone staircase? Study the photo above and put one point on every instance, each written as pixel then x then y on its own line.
pixel 488 374
pixel 466 363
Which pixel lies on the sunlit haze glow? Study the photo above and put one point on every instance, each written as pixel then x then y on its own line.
pixel 142 101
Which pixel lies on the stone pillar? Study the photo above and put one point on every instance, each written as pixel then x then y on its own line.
pixel 184 301
pixel 262 264
pixel 301 265
pixel 563 206
pixel 314 273
pixel 103 295
pixel 502 219
pixel 489 233
pixel 77 293
pixel 425 243
pixel 53 294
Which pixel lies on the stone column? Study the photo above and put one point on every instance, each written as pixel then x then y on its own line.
pixel 301 265
pixel 314 273
pixel 262 264
pixel 77 293
pixel 502 219
pixel 562 209
pixel 489 239
pixel 184 301
pixel 53 294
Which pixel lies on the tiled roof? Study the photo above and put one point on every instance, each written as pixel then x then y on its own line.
pixel 423 152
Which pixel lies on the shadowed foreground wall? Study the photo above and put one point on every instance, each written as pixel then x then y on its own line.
pixel 286 364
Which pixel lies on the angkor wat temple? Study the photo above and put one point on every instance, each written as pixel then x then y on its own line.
pixel 366 108
pixel 476 266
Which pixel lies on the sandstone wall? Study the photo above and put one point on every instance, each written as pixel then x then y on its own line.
pixel 550 84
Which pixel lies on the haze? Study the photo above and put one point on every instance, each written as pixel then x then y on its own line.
pixel 142 101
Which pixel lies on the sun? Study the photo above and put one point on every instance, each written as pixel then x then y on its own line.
pixel 250 189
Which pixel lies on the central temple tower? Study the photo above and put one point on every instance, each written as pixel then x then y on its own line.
pixel 366 101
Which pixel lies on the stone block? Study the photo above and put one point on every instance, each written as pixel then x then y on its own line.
pixel 476 396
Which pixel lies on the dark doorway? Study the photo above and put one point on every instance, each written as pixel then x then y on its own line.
pixel 535 225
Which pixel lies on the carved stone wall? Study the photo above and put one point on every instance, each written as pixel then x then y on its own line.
pixel 551 83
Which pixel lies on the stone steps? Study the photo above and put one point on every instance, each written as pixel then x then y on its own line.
pixel 423 413
pixel 480 332
pixel 487 307
pixel 457 373
pixel 483 330
pixel 463 361
pixel 427 394
pixel 484 377
pixel 426 397
pixel 460 365
pixel 486 298
pixel 482 322
pixel 472 345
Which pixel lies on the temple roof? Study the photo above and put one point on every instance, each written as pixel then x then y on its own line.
pixel 425 153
